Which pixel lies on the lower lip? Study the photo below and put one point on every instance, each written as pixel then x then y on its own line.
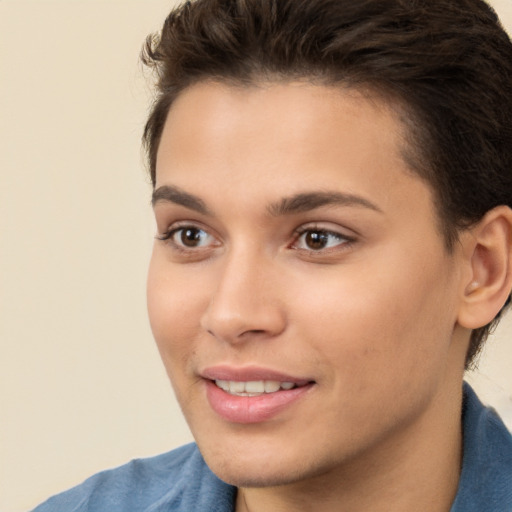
pixel 251 409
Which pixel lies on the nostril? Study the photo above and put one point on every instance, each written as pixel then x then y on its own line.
pixel 231 318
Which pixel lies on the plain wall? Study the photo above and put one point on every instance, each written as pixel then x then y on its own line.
pixel 81 384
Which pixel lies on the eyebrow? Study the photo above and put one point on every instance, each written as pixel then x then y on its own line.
pixel 307 201
pixel 172 194
pixel 297 203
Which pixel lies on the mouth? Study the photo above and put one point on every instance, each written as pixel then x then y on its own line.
pixel 254 388
pixel 252 394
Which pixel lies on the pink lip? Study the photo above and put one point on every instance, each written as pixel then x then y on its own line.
pixel 246 409
pixel 248 373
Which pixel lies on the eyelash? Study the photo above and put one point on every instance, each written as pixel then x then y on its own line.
pixel 345 241
pixel 169 235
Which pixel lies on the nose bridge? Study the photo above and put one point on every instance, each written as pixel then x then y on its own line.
pixel 244 299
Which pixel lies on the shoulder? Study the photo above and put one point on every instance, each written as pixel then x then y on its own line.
pixel 175 481
pixel 486 478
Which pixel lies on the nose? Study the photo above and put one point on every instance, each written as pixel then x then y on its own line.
pixel 245 301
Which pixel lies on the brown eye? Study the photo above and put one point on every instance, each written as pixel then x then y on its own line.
pixel 191 237
pixel 316 240
pixel 319 239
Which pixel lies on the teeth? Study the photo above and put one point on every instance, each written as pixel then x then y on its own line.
pixel 236 387
pixel 223 384
pixel 271 386
pixel 252 388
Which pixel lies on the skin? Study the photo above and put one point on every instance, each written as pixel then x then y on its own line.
pixel 372 319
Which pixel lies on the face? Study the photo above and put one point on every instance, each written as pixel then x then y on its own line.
pixel 299 291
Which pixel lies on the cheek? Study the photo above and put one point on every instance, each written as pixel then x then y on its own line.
pixel 379 321
pixel 174 306
pixel 382 344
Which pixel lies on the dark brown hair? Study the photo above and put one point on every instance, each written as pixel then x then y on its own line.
pixel 446 63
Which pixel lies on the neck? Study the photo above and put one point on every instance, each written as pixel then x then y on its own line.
pixel 416 468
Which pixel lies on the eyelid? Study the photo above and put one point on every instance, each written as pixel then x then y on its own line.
pixel 182 224
pixel 175 227
pixel 327 227
pixel 345 242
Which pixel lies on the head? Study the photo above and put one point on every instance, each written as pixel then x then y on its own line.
pixel 331 190
pixel 445 66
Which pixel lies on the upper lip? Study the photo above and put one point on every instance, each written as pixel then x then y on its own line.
pixel 249 373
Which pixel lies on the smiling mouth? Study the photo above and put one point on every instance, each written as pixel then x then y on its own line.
pixel 254 387
pixel 252 401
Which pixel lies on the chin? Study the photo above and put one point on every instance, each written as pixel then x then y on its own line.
pixel 247 474
pixel 254 467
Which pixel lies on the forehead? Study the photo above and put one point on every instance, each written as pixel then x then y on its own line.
pixel 210 117
pixel 265 103
pixel 276 139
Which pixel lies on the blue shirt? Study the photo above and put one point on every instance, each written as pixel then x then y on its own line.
pixel 486 480
pixel 180 481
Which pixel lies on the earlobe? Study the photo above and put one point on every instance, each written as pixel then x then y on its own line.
pixel 489 255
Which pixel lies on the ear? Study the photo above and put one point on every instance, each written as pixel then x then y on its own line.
pixel 488 251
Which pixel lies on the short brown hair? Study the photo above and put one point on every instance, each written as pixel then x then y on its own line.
pixel 447 63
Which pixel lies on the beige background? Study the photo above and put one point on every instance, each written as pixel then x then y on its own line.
pixel 81 385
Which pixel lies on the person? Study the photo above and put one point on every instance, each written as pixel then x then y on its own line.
pixel 332 190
